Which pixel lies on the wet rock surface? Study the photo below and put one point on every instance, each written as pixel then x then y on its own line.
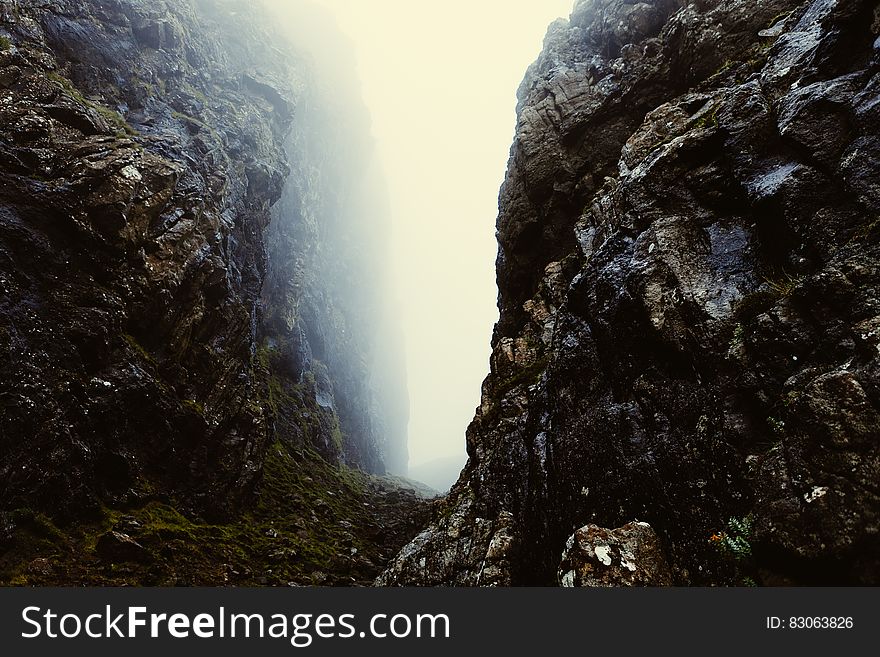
pixel 687 272
pixel 136 183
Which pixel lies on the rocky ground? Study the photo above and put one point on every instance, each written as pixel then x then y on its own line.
pixel 310 524
pixel 688 284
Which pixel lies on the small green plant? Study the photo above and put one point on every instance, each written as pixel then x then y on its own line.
pixel 5 44
pixel 739 333
pixel 724 68
pixel 738 337
pixel 784 284
pixel 777 426
pixel 734 541
pixel 865 232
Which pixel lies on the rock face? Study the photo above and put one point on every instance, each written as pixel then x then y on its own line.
pixel 144 147
pixel 688 286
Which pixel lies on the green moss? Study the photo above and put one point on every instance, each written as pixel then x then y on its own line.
pixel 5 44
pixel 724 68
pixel 111 116
pixel 866 232
pixel 194 406
pixel 309 521
pixel 528 375
pixel 525 376
pixel 115 119
pixel 38 524
pixel 776 425
pixel 754 59
pixel 138 348
pixel 739 334
pixel 336 434
pixel 709 119
pixel 309 378
pixel 755 303
pixel 68 87
pixel 196 123
pixel 263 356
pixel 198 95
pixel 779 17
pixel 306 519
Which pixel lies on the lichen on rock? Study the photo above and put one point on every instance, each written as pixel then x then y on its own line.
pixel 627 556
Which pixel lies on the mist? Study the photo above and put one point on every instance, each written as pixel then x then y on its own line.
pixel 438 81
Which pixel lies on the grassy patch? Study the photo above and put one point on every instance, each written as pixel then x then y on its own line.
pixel 760 301
pixel 311 522
pixel 115 119
pixel 866 232
pixel 784 284
pixel 194 406
pixel 779 17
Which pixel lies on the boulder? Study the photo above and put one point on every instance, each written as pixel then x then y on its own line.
pixel 627 556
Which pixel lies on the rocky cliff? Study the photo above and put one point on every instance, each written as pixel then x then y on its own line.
pixel 188 322
pixel 688 284
pixel 328 316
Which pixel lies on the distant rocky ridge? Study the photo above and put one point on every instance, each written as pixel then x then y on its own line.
pixel 439 473
pixel 689 341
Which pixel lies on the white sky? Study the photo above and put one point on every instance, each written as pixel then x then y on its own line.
pixel 440 81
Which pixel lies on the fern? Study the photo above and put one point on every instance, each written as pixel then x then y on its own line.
pixel 735 540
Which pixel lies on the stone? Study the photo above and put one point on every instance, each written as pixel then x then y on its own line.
pixel 627 556
pixel 116 547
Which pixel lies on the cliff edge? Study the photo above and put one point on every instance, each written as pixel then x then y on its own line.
pixel 688 284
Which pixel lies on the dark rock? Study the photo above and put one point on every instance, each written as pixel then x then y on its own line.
pixel 84 119
pixel 688 278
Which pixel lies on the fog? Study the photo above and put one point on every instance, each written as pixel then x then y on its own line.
pixel 439 81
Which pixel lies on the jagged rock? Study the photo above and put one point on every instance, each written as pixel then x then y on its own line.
pixel 117 547
pixel 627 556
pixel 687 269
pixel 130 295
